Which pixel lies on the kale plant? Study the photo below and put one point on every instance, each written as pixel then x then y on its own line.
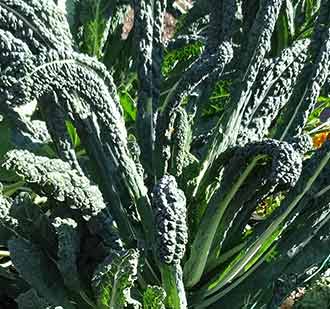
pixel 164 216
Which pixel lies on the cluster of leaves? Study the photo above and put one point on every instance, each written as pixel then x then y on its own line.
pixel 317 295
pixel 94 217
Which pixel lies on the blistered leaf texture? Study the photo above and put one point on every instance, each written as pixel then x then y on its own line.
pixel 57 180
pixel 39 23
pixel 68 251
pixel 169 204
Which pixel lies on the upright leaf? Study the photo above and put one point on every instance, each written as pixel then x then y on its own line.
pixel 95 20
pixel 149 35
pixel 68 251
pixel 114 278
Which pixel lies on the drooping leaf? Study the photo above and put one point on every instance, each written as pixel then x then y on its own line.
pixel 33 224
pixel 31 300
pixel 39 23
pixel 55 178
pixel 39 271
pixel 286 166
pixel 267 234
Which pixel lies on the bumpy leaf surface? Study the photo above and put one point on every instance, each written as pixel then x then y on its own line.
pixel 169 203
pixel 57 180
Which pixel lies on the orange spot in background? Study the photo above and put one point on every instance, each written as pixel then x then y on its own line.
pixel 320 138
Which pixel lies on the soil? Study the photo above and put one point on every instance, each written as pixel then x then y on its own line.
pixel 170 21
